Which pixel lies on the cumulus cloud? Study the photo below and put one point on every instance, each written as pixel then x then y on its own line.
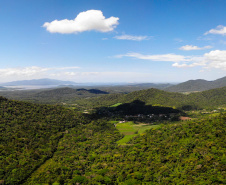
pixel 191 47
pixel 215 59
pixel 85 21
pixel 220 30
pixel 132 37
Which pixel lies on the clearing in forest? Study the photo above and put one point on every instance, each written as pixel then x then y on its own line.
pixel 130 129
pixel 116 105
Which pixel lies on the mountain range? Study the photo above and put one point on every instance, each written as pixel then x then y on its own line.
pixel 188 86
pixel 197 85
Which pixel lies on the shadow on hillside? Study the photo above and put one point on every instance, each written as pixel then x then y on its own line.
pixel 138 111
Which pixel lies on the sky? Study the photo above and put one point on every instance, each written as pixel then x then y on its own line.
pixel 112 40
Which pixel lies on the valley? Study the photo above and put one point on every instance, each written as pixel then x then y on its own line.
pixel 143 136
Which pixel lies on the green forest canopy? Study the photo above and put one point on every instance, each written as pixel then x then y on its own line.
pixel 51 144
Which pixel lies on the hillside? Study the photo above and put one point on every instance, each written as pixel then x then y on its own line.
pixel 151 85
pixel 53 96
pixel 29 135
pixel 93 91
pixel 67 92
pixel 197 85
pixel 43 144
pixel 206 99
pixel 184 153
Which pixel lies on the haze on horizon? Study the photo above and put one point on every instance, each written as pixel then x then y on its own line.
pixel 112 41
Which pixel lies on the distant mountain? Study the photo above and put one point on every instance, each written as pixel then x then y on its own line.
pixel 66 91
pixel 38 82
pixel 221 82
pixel 153 85
pixel 197 85
pixel 53 96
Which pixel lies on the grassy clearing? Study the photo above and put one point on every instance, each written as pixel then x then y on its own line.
pixel 116 105
pixel 126 138
pixel 130 129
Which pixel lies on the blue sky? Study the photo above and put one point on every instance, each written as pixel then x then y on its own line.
pixel 113 40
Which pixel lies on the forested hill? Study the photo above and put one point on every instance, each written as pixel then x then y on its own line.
pixel 197 85
pixel 184 153
pixel 66 91
pixel 52 96
pixel 205 99
pixel 29 135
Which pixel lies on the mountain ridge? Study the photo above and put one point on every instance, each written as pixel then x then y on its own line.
pixel 197 85
pixel 209 98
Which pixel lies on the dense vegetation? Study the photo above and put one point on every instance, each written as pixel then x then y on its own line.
pixel 50 144
pixel 139 112
pixel 88 98
pixel 29 135
pixel 61 96
pixel 207 99
pixel 184 153
pixel 69 94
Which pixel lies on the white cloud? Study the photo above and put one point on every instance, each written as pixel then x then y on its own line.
pixel 184 65
pixel 165 57
pixel 220 30
pixel 132 37
pixel 23 73
pixel 69 73
pixel 191 47
pixel 85 21
pixel 214 59
pixel 26 71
